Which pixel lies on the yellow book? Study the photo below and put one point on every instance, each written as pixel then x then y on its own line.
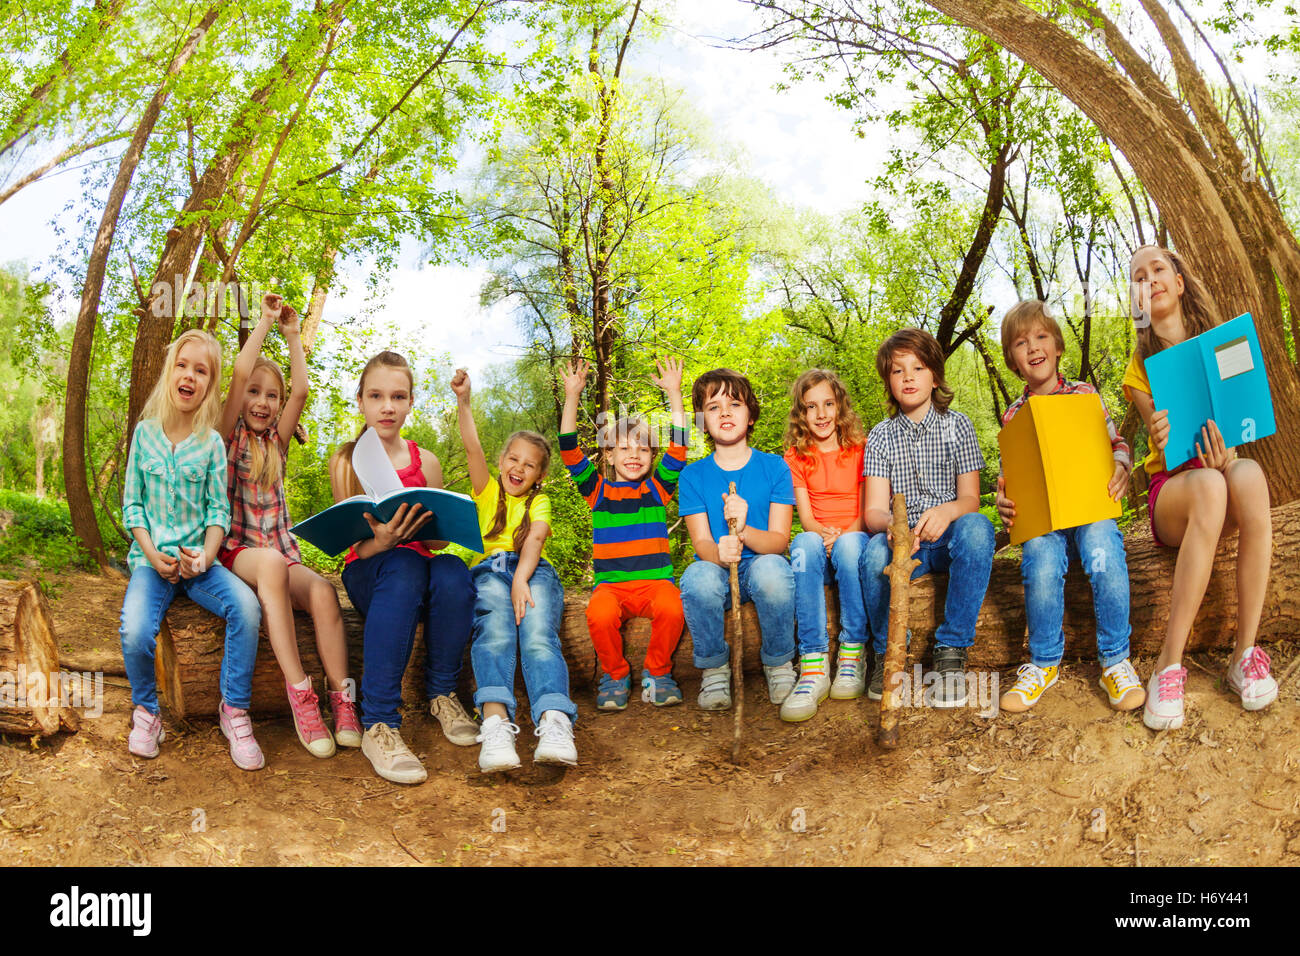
pixel 1057 461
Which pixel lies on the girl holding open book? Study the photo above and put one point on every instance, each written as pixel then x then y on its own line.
pixel 257 420
pixel 1195 504
pixel 396 581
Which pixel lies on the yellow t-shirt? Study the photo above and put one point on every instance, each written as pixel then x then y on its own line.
pixel 486 503
pixel 1135 377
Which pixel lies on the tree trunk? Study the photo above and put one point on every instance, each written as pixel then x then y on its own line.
pixel 31 686
pixel 1230 231
pixel 183 239
pixel 192 641
pixel 80 505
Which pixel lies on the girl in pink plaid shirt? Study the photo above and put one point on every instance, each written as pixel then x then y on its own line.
pixel 256 422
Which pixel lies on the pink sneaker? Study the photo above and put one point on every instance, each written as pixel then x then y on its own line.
pixel 238 728
pixel 146 733
pixel 312 732
pixel 1164 705
pixel 1250 678
pixel 347 727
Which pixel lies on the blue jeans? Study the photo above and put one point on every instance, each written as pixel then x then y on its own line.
pixel 536 637
pixel 394 590
pixel 148 597
pixel 1100 549
pixel 964 550
pixel 765 579
pixel 809 562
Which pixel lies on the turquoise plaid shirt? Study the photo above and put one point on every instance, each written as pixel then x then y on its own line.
pixel 174 494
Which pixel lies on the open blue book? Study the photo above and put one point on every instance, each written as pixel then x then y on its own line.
pixel 1217 375
pixel 337 527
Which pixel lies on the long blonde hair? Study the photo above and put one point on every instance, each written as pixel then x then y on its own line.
pixel 266 465
pixel 848 426
pixel 161 403
pixel 499 519
pixel 384 359
pixel 1200 314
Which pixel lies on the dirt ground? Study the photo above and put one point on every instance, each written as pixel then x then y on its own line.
pixel 1069 783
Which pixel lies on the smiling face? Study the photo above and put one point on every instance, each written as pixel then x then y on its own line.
pixel 911 382
pixel 1037 356
pixel 385 400
pixel 1156 287
pixel 631 457
pixel 521 467
pixel 726 418
pixel 821 411
pixel 191 377
pixel 262 399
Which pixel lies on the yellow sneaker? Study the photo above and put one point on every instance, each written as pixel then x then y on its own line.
pixel 1031 681
pixel 1121 684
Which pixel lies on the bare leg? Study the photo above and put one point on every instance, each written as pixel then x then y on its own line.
pixel 1248 512
pixel 312 593
pixel 493 709
pixel 267 573
pixel 1190 512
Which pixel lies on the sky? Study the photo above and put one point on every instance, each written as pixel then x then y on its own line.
pixel 803 147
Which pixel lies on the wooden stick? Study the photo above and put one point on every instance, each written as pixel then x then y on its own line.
pixel 737 647
pixel 899 572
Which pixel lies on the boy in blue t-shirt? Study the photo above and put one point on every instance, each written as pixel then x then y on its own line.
pixel 763 507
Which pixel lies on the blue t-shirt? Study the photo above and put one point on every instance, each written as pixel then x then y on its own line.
pixel 763 482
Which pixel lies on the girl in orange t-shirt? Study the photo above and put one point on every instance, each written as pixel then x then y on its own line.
pixel 826 441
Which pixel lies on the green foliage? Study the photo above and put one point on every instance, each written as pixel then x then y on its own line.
pixel 40 534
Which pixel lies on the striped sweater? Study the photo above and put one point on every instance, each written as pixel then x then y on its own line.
pixel 629 524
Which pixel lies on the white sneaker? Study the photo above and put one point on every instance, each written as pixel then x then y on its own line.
pixel 813 688
pixel 555 740
pixel 780 681
pixel 850 673
pixel 1250 678
pixel 497 735
pixel 389 755
pixel 1164 705
pixel 715 688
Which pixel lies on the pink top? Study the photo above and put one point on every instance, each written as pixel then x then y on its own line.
pixel 412 477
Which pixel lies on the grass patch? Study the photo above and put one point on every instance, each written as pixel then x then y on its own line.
pixel 39 536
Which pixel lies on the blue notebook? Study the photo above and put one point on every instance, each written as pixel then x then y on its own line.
pixel 1217 375
pixel 341 525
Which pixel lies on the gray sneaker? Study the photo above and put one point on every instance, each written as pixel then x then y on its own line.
pixel 715 688
pixel 780 681
pixel 876 688
pixel 950 665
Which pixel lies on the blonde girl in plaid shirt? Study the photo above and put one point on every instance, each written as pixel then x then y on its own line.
pixel 174 503
pixel 257 421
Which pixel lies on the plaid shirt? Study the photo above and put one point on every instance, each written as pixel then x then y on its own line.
pixel 923 459
pixel 1063 387
pixel 259 517
pixel 174 493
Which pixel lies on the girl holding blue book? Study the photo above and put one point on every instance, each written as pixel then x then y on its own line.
pixel 1194 505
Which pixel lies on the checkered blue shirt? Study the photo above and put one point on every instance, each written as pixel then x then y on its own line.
pixel 923 459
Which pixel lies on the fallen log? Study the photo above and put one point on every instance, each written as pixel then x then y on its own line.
pixel 32 688
pixel 190 647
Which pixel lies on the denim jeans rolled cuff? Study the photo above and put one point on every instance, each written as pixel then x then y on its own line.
pixel 809 564
pixel 846 553
pixel 965 552
pixel 1100 549
pixel 498 642
pixel 767 580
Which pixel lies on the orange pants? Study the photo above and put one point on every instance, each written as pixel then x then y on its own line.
pixel 613 603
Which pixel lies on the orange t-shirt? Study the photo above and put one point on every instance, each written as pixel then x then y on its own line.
pixel 833 480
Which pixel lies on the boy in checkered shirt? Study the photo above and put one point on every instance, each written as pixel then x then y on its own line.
pixel 928 453
pixel 1032 345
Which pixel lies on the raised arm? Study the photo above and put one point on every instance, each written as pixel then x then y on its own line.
pixel 574 375
pixel 299 385
pixel 670 380
pixel 271 304
pixel 479 476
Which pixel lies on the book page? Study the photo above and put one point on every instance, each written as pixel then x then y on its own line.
pixel 376 473
pixel 1233 358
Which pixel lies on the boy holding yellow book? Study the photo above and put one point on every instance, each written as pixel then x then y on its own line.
pixel 1032 345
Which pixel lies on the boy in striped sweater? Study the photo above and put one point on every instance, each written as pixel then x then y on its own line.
pixel 631 559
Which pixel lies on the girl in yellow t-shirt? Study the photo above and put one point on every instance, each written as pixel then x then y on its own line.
pixel 519 601
pixel 1198 502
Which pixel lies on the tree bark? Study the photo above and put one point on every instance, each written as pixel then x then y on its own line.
pixel 75 484
pixel 30 680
